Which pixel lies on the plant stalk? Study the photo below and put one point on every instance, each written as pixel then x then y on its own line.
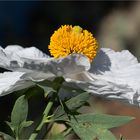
pixel 45 114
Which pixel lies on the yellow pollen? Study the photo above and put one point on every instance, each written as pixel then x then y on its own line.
pixel 67 40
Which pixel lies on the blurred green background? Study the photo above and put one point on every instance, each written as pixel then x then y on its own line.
pixel 115 24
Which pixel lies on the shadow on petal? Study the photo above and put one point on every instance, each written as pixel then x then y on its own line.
pixel 101 63
pixel 136 99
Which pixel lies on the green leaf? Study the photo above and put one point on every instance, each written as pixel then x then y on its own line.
pixel 90 126
pixel 108 121
pixel 72 104
pixel 10 125
pixel 47 89
pixel 84 130
pixel 77 101
pixel 33 91
pixel 57 83
pixel 4 136
pixel 51 86
pixel 104 134
pixel 20 111
pixel 25 124
pixel 19 115
pixel 72 88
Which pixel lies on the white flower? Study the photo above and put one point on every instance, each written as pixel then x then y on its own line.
pixel 115 75
pixel 30 64
pixel 112 74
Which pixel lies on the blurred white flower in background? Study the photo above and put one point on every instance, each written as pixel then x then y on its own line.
pixel 120 29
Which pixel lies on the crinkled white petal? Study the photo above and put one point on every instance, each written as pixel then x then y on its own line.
pixel 13 49
pixel 13 55
pixel 30 52
pixel 106 89
pixel 31 64
pixel 48 68
pixel 109 60
pixel 12 81
pixel 31 60
pixel 114 75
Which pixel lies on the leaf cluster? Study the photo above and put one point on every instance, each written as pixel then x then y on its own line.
pixel 85 126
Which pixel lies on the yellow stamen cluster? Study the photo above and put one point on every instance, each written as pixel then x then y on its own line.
pixel 67 40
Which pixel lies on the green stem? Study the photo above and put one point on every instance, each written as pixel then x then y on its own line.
pixel 17 138
pixel 45 114
pixel 67 132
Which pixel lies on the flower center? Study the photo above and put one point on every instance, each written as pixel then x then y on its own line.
pixel 67 40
